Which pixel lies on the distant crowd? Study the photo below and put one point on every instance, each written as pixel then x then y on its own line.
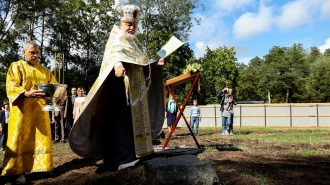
pixel 63 120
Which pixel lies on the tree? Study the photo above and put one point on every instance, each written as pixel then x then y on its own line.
pixel 319 80
pixel 80 30
pixel 284 72
pixel 9 48
pixel 219 71
pixel 248 83
pixel 296 73
pixel 327 52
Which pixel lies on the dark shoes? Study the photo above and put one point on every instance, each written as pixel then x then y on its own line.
pixel 104 168
pixel 56 141
pixel 161 136
pixel 62 141
pixel 20 179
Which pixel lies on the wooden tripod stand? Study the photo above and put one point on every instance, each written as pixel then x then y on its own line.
pixel 168 86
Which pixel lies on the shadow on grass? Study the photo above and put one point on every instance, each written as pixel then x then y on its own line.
pixel 221 147
pixel 264 170
pixel 74 164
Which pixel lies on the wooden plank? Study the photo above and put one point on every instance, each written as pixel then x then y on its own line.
pixel 181 79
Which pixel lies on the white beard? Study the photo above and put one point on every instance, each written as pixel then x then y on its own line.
pixel 129 36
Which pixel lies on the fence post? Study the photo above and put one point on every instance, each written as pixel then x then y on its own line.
pixel 290 115
pixel 240 116
pixel 215 115
pixel 317 114
pixel 265 115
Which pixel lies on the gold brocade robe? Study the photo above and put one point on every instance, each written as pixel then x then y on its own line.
pixel 29 144
pixel 146 107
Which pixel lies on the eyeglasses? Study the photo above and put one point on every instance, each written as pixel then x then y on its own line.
pixel 33 53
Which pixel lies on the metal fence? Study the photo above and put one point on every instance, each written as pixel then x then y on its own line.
pixel 267 115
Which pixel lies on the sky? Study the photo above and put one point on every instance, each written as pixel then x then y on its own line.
pixel 253 27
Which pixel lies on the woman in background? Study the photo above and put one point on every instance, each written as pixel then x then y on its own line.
pixel 171 111
pixel 78 103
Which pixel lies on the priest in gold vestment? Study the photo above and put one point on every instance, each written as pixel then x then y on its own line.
pixel 124 110
pixel 29 144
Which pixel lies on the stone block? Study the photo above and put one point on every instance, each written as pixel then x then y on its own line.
pixel 179 170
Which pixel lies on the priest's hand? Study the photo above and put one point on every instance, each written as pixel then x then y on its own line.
pixel 161 62
pixel 34 93
pixel 120 71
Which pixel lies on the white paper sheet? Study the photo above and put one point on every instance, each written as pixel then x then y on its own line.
pixel 169 47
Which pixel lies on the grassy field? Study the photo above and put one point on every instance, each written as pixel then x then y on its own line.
pixel 253 155
pixel 312 142
pixel 306 142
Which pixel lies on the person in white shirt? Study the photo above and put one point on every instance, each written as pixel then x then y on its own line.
pixel 195 116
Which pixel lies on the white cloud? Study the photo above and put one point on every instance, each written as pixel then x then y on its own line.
pixel 300 12
pixel 209 27
pixel 218 29
pixel 325 9
pixel 325 46
pixel 200 45
pixel 250 24
pixel 233 4
pixel 210 33
pixel 244 60
pixel 295 14
pixel 200 49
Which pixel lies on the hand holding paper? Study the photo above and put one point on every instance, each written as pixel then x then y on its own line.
pixel 161 62
pixel 169 47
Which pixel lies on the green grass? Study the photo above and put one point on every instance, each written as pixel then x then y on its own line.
pixel 258 178
pixel 305 142
pixel 57 149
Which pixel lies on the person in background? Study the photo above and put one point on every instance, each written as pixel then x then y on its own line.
pixel 59 118
pixel 78 103
pixel 231 128
pixel 223 95
pixel 70 104
pixel 4 116
pixel 29 144
pixel 226 114
pixel 171 112
pixel 195 116
pixel 74 94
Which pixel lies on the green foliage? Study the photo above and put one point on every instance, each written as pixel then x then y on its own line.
pixel 82 39
pixel 192 68
pixel 248 84
pixel 319 80
pixel 284 73
pixel 219 71
pixel 9 49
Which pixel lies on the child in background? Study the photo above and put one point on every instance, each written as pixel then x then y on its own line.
pixel 226 114
pixel 195 116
